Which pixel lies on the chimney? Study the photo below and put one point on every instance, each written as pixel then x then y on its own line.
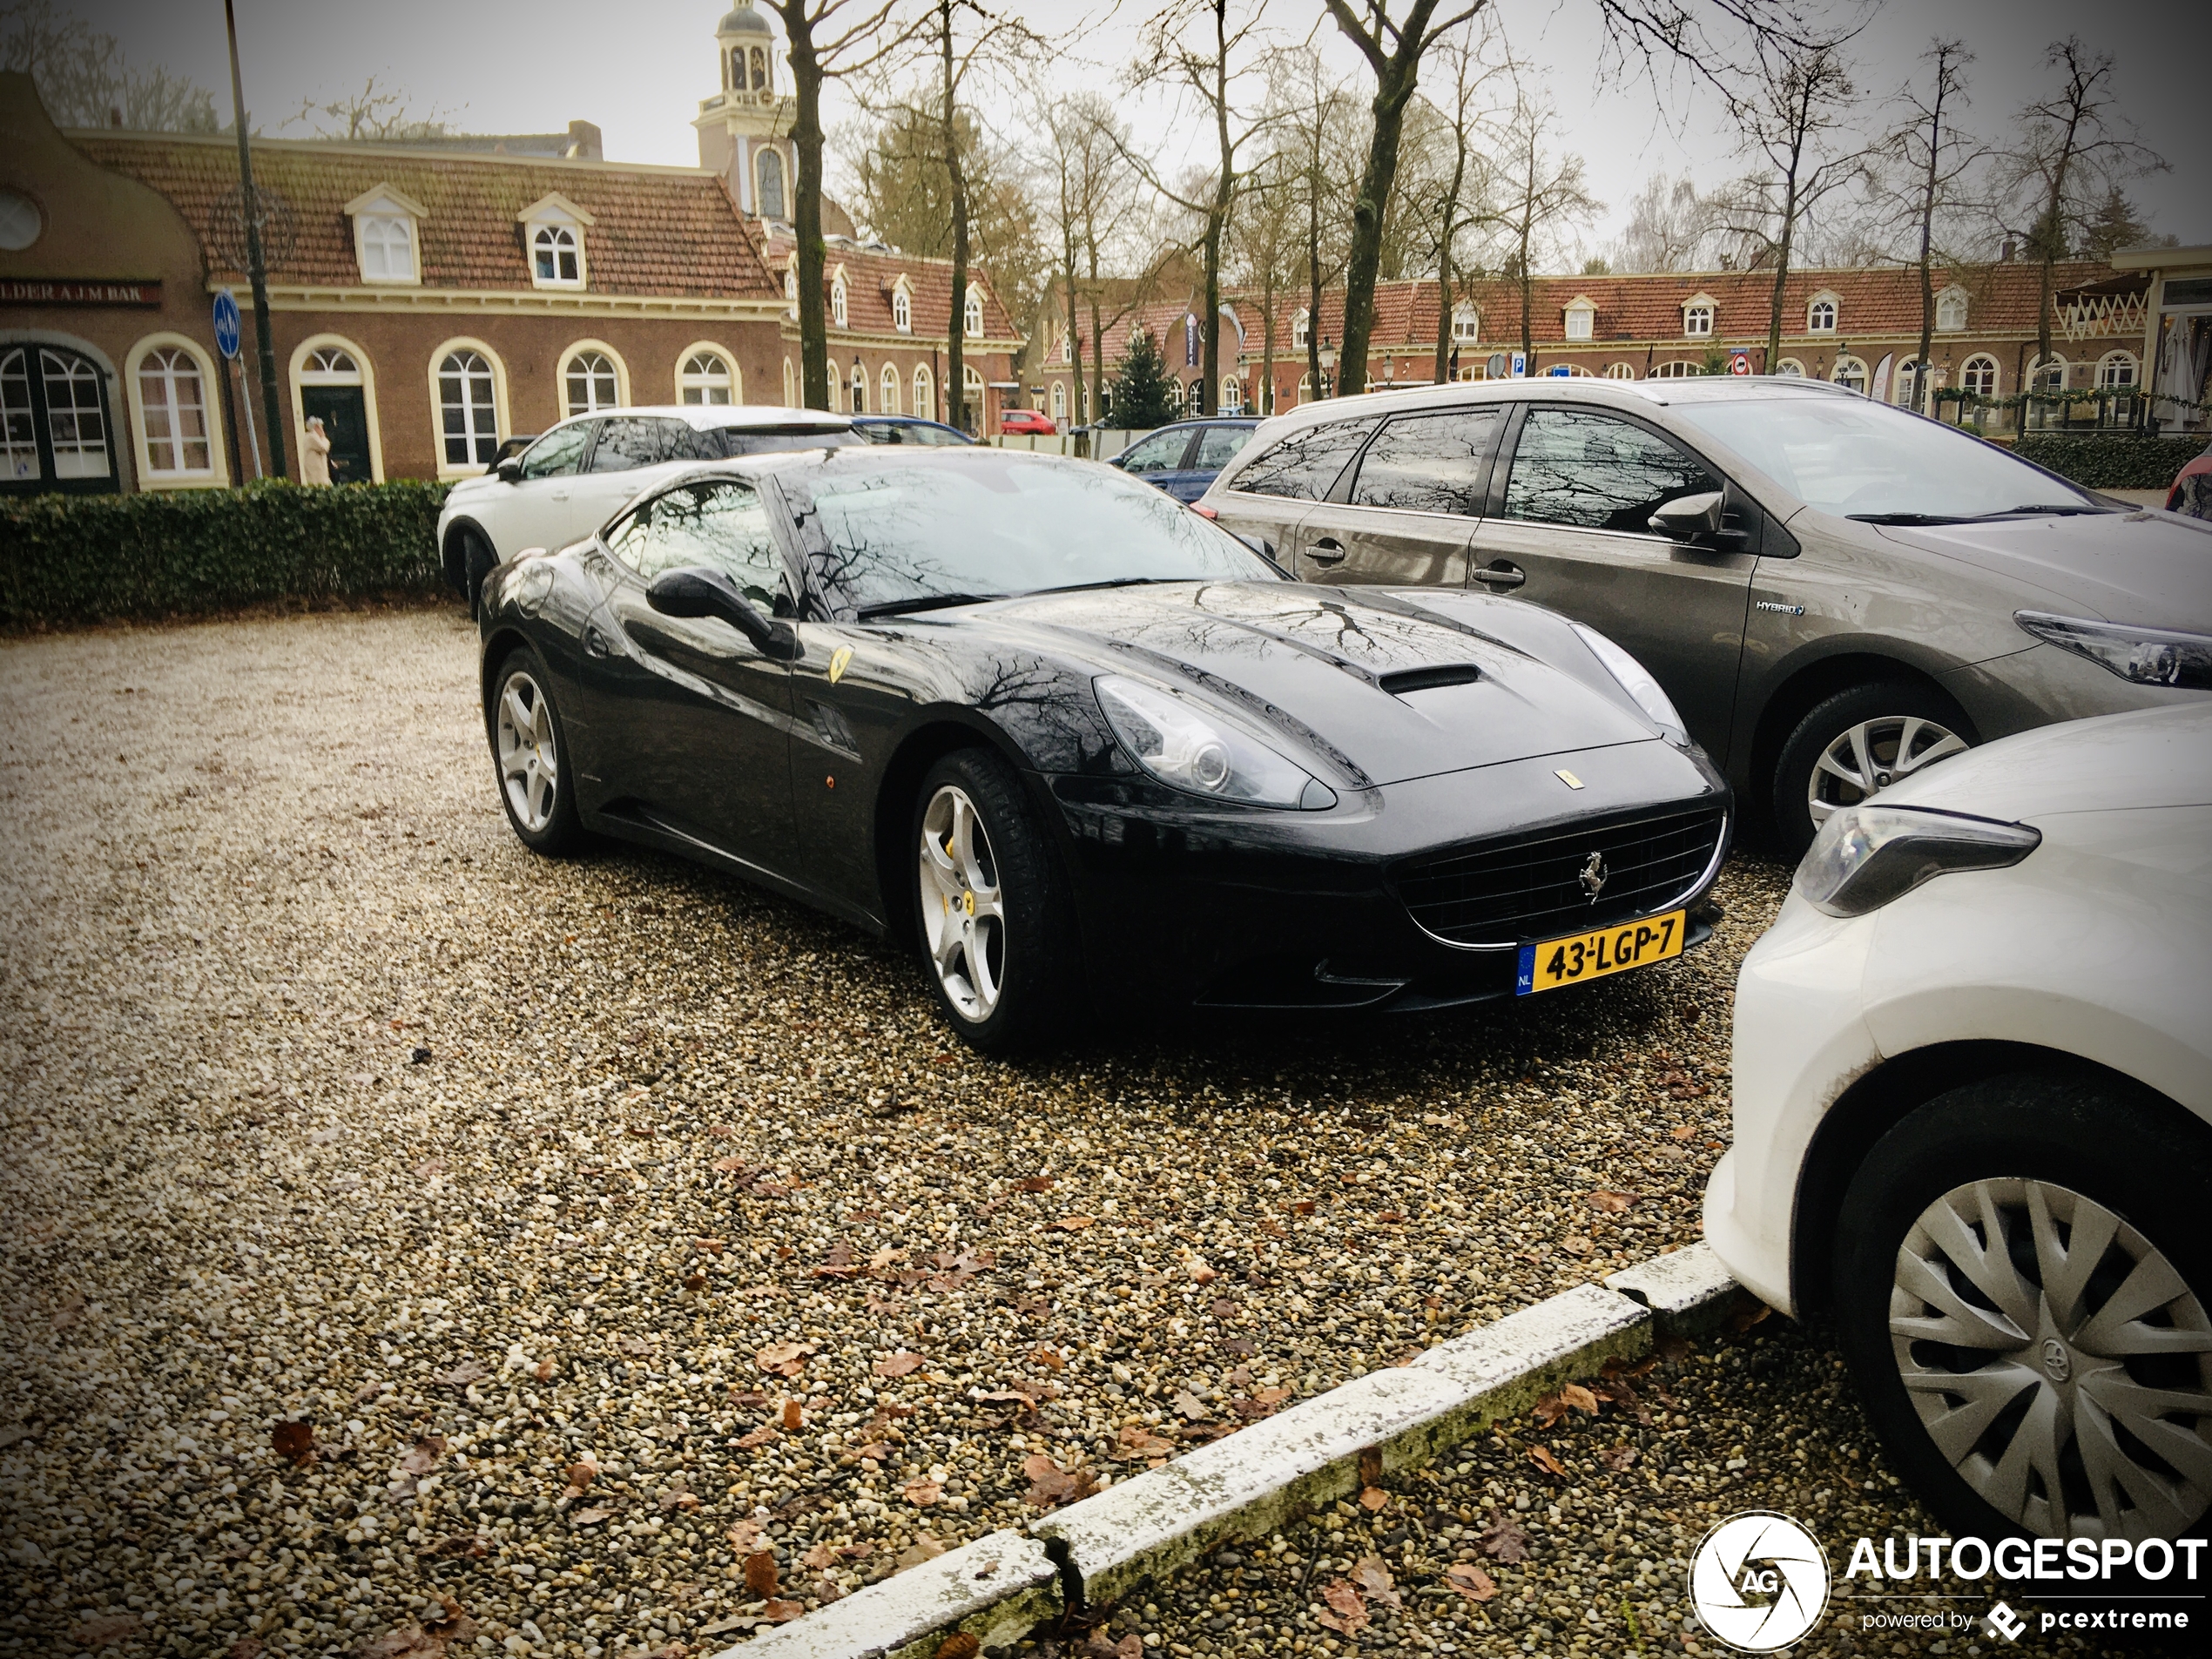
pixel 585 142
pixel 2005 254
pixel 114 116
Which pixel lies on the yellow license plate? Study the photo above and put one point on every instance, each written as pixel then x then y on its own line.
pixel 1587 956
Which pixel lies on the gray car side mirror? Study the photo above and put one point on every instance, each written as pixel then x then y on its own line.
pixel 1689 515
pixel 698 591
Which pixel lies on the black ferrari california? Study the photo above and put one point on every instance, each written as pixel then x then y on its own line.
pixel 1082 745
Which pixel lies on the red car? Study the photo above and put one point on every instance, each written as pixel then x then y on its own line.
pixel 1035 420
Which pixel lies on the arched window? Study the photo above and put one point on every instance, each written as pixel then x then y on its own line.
pixel 1901 387
pixel 1697 321
pixel 172 403
pixel 468 411
pixel 1850 375
pixel 1082 399
pixel 1979 376
pixel 1820 319
pixel 706 377
pixel 332 381
pixel 1301 331
pixel 1306 387
pixel 790 392
pixel 1193 396
pixel 760 64
pixel 889 381
pixel 589 382
pixel 903 312
pixel 838 312
pixel 1232 395
pixel 972 396
pixel 1060 400
pixel 859 390
pixel 1790 369
pixel 1621 371
pixel 772 184
pixel 2117 372
pixel 387 248
pixel 555 261
pixel 52 389
pixel 2047 377
pixel 791 288
pixel 1951 311
pixel 925 395
pixel 1681 368
pixel 973 324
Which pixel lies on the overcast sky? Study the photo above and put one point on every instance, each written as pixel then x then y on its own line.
pixel 638 70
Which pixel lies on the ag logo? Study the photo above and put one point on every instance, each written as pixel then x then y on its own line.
pixel 1759 1582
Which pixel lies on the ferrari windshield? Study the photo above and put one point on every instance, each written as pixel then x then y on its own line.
pixel 1858 459
pixel 982 524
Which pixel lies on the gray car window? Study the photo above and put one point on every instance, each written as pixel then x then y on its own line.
pixel 1429 463
pixel 558 453
pixel 1162 452
pixel 722 525
pixel 1305 466
pixel 628 440
pixel 1219 445
pixel 1572 467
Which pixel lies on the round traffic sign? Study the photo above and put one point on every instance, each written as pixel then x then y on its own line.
pixel 227 323
pixel 1740 363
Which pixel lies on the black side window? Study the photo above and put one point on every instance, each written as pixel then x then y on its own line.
pixel 1305 466
pixel 1430 463
pixel 628 440
pixel 722 525
pixel 687 443
pixel 1591 470
pixel 557 454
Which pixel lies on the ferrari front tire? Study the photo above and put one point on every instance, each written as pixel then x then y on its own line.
pixel 996 927
pixel 529 751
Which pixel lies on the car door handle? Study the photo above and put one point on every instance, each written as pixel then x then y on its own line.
pixel 597 642
pixel 1501 574
pixel 1327 550
pixel 559 494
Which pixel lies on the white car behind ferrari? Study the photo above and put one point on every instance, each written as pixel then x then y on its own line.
pixel 1973 1124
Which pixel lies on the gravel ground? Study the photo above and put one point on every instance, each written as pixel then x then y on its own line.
pixel 416 1245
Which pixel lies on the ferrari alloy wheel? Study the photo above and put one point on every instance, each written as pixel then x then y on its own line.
pixel 2021 1280
pixel 1855 745
pixel 528 750
pixel 962 916
pixel 995 920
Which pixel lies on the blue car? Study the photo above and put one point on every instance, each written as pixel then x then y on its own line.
pixel 1183 459
pixel 907 429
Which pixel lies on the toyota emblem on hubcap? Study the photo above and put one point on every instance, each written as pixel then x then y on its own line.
pixel 1592 877
pixel 2056 1360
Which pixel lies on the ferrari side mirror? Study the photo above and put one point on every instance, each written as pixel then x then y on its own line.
pixel 698 591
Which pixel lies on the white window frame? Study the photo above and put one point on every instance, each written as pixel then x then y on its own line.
pixel 888 385
pixel 1194 394
pixel 1059 399
pixel 1967 376
pixel 1697 320
pixel 1813 323
pixel 1951 311
pixel 689 380
pixel 216 474
pixel 924 391
pixel 902 306
pixel 570 354
pixel 972 321
pixel 305 373
pixel 840 301
pixel 2036 367
pixel 1232 395
pixel 1301 332
pixel 790 390
pixel 1865 375
pixel 2111 360
pixel 859 390
pixel 1466 324
pixel 1789 368
pixel 1680 368
pixel 386 207
pixel 501 424
pixel 1579 320
pixel 1621 371
pixel 550 216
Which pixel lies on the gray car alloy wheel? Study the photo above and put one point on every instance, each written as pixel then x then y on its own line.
pixel 530 763
pixel 1868 757
pixel 2057 1360
pixel 964 912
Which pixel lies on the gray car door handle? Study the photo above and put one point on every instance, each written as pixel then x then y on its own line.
pixel 1501 574
pixel 1327 550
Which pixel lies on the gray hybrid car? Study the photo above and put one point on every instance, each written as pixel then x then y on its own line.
pixel 1833 593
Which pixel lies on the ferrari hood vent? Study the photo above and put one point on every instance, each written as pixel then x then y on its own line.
pixel 1399 681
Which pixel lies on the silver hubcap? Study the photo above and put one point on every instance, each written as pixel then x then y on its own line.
pixel 529 769
pixel 2057 1361
pixel 1870 756
pixel 963 916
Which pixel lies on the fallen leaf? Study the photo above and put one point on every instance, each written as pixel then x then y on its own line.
pixel 1349 1614
pixel 1272 1396
pixel 1578 1244
pixel 820 1558
pixel 694 1281
pixel 729 1166
pixel 103 1632
pixel 1371 1576
pixel 1581 1399
pixel 922 1494
pixel 1135 1440
pixel 1549 1409
pixel 781 1612
pixel 1071 1223
pixel 760 1573
pixel 1748 1311
pixel 1683 1132
pixel 1037 1184
pixel 1611 1202
pixel 461 1546
pixel 369 1390
pixel 1542 1457
pixel 1050 1485
pixel 588 1517
pixel 1300 1206
pixel 293 1442
pixel 899 1364
pixel 423 1456
pixel 923 1549
pixel 745 1534
pixel 244 1648
pixel 785 1359
pixel 1617 1457
pixel 761 1436
pixel 1503 1540
pixel 469 1371
pixel 1470 1580
pixel 961 1644
pixel 1189 1405
pixel 1372 1499
pixel 1049 1356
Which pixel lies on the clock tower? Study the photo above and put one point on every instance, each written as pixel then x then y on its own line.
pixel 744 129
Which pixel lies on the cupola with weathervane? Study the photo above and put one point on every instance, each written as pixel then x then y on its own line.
pixel 745 129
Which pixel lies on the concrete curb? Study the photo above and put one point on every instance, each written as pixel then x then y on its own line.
pixel 1247 1483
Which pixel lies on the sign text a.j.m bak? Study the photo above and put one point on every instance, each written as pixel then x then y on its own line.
pixel 38 291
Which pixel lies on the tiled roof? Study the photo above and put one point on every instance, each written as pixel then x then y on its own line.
pixel 871 275
pixel 658 232
pixel 1162 319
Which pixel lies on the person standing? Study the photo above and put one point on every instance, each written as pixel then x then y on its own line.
pixel 314 453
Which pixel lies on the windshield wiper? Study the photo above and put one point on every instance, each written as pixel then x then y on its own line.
pixel 1112 582
pixel 923 602
pixel 1905 518
pixel 2055 509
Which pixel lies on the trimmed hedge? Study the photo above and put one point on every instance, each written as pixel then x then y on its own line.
pixel 2109 462
pixel 68 559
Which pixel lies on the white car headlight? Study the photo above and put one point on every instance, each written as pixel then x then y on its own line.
pixel 1866 855
pixel 2144 656
pixel 1636 681
pixel 1203 749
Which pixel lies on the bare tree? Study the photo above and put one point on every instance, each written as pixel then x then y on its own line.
pixel 823 39
pixel 375 114
pixel 1939 154
pixel 1314 142
pixel 1266 243
pixel 1090 203
pixel 1540 196
pixel 85 81
pixel 1669 227
pixel 2073 146
pixel 1459 197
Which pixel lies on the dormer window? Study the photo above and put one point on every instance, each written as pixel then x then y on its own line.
pixel 902 308
pixel 1697 316
pixel 840 310
pixel 1301 331
pixel 1820 315
pixel 791 287
pixel 1581 317
pixel 554 227
pixel 1466 323
pixel 387 241
pixel 1951 311
pixel 973 322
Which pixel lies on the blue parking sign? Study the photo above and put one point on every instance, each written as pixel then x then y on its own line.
pixel 227 333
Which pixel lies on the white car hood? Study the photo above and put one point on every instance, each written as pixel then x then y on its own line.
pixel 2117 763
